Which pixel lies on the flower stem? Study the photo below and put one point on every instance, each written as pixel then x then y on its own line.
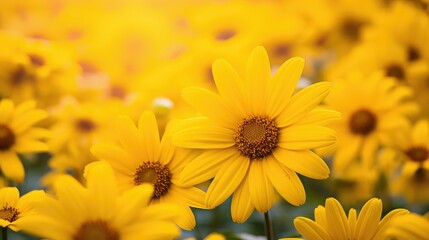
pixel 4 233
pixel 268 226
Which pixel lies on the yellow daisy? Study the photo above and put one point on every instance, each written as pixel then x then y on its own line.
pixel 331 222
pixel 375 108
pixel 17 135
pixel 256 135
pixel 98 212
pixel 15 209
pixel 412 183
pixel 414 145
pixel 138 156
pixel 410 226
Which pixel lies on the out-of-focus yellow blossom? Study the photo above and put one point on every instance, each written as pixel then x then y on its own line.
pixel 412 183
pixel 253 132
pixel 35 69
pixel 15 209
pixel 409 226
pixel 97 211
pixel 374 109
pixel 138 156
pixel 355 184
pixel 211 236
pixel 331 222
pixel 19 136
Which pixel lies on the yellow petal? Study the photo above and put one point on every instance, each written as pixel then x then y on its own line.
pixel 320 116
pixel 118 158
pixel 302 103
pixel 205 166
pixel 194 196
pixel 260 188
pixel 385 222
pixel 30 146
pixel 310 230
pixel 226 181
pixel 304 162
pixel 211 105
pixel 9 196
pixel 241 205
pixel 52 228
pixel 204 136
pixel 148 128
pixel 22 124
pixel 301 137
pixel 368 220
pixel 420 132
pixel 346 153
pixel 135 198
pixel 11 166
pixel 283 84
pixel 338 224
pixel 258 74
pixel 228 83
pixel 285 181
pixel 6 109
pixel 186 220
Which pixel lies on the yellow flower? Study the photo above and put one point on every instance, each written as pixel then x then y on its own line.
pixel 15 209
pixel 412 183
pixel 98 212
pixel 414 144
pixel 211 236
pixel 138 156
pixel 17 135
pixel 256 135
pixel 331 222
pixel 410 226
pixel 375 109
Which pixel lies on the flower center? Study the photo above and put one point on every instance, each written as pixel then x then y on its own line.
pixel 413 54
pixel 36 60
pixel 225 34
pixel 363 122
pixel 420 175
pixel 257 137
pixel 282 49
pixel 97 229
pixel 85 125
pixel 20 75
pixel 351 28
pixel 396 71
pixel 156 174
pixel 417 154
pixel 9 214
pixel 7 137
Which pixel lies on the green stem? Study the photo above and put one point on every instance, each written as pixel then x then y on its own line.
pixel 4 233
pixel 268 226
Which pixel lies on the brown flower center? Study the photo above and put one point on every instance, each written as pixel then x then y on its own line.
pixel 417 154
pixel 282 49
pixel 117 91
pixel 413 54
pixel 396 71
pixel 257 137
pixel 225 34
pixel 98 229
pixel 7 138
pixel 20 75
pixel 421 175
pixel 85 125
pixel 9 214
pixel 36 60
pixel 363 122
pixel 156 174
pixel 351 28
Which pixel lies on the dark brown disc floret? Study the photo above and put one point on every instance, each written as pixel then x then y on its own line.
pixel 257 137
pixel 363 122
pixel 8 213
pixel 156 174
pixel 417 154
pixel 7 138
pixel 96 229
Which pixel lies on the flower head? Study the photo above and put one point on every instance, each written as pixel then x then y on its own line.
pixel 331 222
pixel 97 211
pixel 256 134
pixel 138 156
pixel 17 135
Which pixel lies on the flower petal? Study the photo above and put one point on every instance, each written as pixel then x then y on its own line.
pixel 368 220
pixel 301 137
pixel 226 181
pixel 260 188
pixel 148 129
pixel 304 162
pixel 310 229
pixel 11 166
pixel 241 205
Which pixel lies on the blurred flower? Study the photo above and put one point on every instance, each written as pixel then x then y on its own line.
pixel 254 132
pixel 18 135
pixel 410 226
pixel 375 108
pixel 211 236
pixel 138 156
pixel 15 209
pixel 98 212
pixel 331 222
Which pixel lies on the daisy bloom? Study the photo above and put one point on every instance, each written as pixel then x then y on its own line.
pixel 256 135
pixel 15 209
pixel 17 135
pixel 97 211
pixel 138 156
pixel 331 222
pixel 375 108
pixel 410 226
